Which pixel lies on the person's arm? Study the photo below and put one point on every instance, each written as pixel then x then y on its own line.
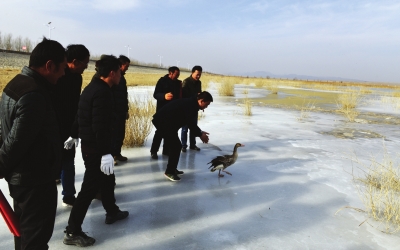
pixel 159 92
pixel 102 120
pixel 29 117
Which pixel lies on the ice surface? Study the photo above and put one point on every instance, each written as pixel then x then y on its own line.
pixel 287 184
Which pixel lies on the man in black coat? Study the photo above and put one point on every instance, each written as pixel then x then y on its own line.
pixel 170 118
pixel 68 91
pixel 96 120
pixel 168 88
pixel 121 108
pixel 30 153
pixel 191 87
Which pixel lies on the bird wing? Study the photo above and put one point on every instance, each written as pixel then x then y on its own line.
pixel 224 160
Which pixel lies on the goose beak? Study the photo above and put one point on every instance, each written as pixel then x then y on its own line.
pixel 242 145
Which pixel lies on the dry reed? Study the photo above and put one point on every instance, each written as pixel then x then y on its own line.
pixel 247 105
pixel 380 191
pixel 139 125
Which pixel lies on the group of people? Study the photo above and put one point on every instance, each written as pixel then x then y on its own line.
pixel 177 108
pixel 43 115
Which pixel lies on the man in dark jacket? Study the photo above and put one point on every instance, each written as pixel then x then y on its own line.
pixel 191 87
pixel 30 152
pixel 68 90
pixel 96 120
pixel 121 108
pixel 170 118
pixel 168 88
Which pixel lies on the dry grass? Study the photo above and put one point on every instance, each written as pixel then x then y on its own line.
pixel 139 125
pixel 226 87
pixel 6 75
pixel 305 110
pixel 247 105
pixel 380 192
pixel 347 103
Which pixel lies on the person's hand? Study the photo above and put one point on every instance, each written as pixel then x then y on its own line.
pixel 204 137
pixel 169 96
pixel 127 115
pixel 107 164
pixel 70 142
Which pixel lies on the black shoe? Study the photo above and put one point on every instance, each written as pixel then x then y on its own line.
pixel 78 239
pixel 195 148
pixel 120 215
pixel 184 150
pixel 120 158
pixel 179 172
pixel 68 201
pixel 154 156
pixel 172 177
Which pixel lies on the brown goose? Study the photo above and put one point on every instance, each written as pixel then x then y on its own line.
pixel 222 162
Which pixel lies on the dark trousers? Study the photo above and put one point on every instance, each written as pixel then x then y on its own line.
pixel 35 207
pixel 119 134
pixel 155 145
pixel 93 181
pixel 192 138
pixel 171 138
pixel 68 177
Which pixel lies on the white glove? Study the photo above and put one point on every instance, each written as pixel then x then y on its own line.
pixel 70 142
pixel 107 164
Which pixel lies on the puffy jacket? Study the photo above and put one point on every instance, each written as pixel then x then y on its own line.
pixel 95 116
pixel 30 153
pixel 166 85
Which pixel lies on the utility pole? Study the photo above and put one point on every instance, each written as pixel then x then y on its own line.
pixel 50 28
pixel 160 59
pixel 129 48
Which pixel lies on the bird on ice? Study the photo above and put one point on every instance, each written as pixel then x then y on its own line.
pixel 222 162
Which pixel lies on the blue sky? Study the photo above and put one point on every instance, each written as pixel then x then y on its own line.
pixel 349 39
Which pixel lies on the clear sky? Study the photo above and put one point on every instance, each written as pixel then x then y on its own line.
pixel 349 39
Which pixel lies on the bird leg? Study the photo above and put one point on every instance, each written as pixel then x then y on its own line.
pixel 219 174
pixel 226 172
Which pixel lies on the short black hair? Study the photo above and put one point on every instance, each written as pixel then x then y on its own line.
pixel 198 68
pixel 206 96
pixel 45 51
pixel 173 69
pixel 76 51
pixel 107 64
pixel 123 59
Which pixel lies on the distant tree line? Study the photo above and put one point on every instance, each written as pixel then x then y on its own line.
pixel 8 42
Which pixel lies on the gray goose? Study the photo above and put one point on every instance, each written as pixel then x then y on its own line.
pixel 222 162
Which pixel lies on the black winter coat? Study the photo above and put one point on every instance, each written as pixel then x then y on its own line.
pixel 67 92
pixel 31 150
pixel 95 116
pixel 191 87
pixel 120 93
pixel 164 86
pixel 178 113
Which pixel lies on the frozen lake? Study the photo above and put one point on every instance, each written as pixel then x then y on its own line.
pixel 289 181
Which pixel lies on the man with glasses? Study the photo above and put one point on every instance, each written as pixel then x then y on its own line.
pixel 68 91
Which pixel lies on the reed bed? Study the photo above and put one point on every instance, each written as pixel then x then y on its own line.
pixel 380 191
pixel 247 106
pixel 347 103
pixel 139 125
pixel 226 87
